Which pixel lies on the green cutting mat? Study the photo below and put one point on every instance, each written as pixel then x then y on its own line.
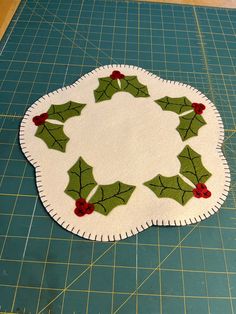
pixel 45 269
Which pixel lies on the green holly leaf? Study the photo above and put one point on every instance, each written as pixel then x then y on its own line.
pixel 53 135
pixel 177 105
pixel 192 167
pixel 132 85
pixel 189 125
pixel 65 111
pixel 81 180
pixel 171 187
pixel 109 196
pixel 106 89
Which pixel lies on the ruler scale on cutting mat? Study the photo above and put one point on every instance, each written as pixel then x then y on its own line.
pixel 43 268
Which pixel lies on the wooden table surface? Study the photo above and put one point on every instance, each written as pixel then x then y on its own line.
pixel 211 3
pixel 7 10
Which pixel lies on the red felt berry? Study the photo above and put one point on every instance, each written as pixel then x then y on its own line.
pixel 197 193
pixel 90 209
pixel 198 108
pixel 79 212
pixel 44 116
pixel 206 194
pixel 201 186
pixel 202 106
pixel 117 75
pixel 38 120
pixel 81 203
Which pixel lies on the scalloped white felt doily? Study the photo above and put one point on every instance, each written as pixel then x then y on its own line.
pixel 130 140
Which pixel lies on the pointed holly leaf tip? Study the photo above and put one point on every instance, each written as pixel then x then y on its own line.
pixel 192 167
pixel 171 187
pixel 65 111
pixel 177 105
pixel 132 85
pixel 106 89
pixel 81 180
pixel 189 125
pixel 109 196
pixel 53 135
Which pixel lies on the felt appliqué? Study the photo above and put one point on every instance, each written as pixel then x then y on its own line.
pixel 191 122
pixel 192 167
pixel 104 198
pixel 108 86
pixel 176 187
pixel 65 111
pixel 53 134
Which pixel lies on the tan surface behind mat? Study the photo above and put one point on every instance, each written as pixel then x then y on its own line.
pixel 7 10
pixel 211 3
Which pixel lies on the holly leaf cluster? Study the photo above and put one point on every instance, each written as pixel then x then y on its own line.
pixel 108 86
pixel 189 123
pixel 52 133
pixel 105 197
pixel 176 187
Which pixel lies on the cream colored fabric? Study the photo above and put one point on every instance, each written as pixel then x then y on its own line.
pixel 127 139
